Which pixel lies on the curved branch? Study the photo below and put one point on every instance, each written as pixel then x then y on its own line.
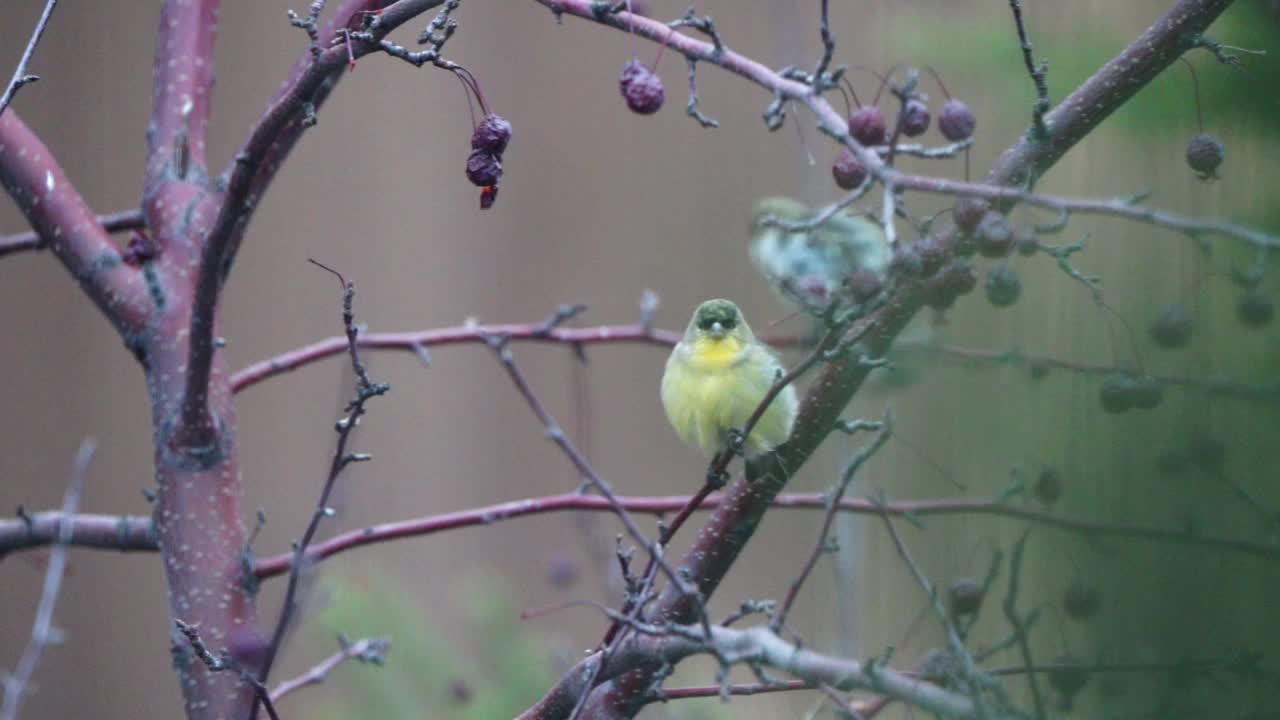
pixel 415 341
pixel 63 221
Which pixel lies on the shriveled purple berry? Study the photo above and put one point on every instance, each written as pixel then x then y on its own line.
pixel 641 88
pixel 1172 329
pixel 915 118
pixel 994 236
pixel 864 285
pixel 848 171
pixel 932 256
pixel 953 280
pixel 1255 308
pixel 866 125
pixel 1081 600
pixel 491 135
pixel 140 249
pixel 1003 286
pixel 956 121
pixel 483 168
pixel 906 261
pixel 968 212
pixel 964 597
pixel 1204 154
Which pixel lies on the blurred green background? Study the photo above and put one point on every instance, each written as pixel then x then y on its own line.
pixel 598 205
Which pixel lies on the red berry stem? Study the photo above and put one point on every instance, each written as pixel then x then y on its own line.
pixel 1195 85
pixel 938 79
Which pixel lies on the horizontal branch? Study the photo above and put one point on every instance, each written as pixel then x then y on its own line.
pixel 113 222
pixel 416 341
pixel 131 533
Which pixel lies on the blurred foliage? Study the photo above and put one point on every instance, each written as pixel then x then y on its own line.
pixel 990 51
pixel 500 669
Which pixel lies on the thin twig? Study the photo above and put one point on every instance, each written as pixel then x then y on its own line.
pixel 365 390
pixel 42 630
pixel 367 650
pixel 1022 625
pixel 224 663
pixel 883 430
pixel 1038 73
pixel 20 76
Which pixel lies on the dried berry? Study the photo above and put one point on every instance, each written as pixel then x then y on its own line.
pixel 968 212
pixel 641 88
pixel 1173 328
pixel 1204 154
pixel 1081 599
pixel 483 169
pixel 906 261
pixel 994 236
pixel 848 171
pixel 1048 487
pixel 1255 308
pixel 864 285
pixel 953 280
pixel 1146 392
pixel 1025 242
pixel 1003 286
pixel 866 125
pixel 956 121
pixel 562 571
pixel 491 135
pixel 1068 677
pixel 964 597
pixel 932 256
pixel 247 646
pixel 915 118
pixel 1116 393
pixel 140 249
pixel 487 196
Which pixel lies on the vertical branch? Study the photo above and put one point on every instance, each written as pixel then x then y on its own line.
pixel 20 76
pixel 42 631
pixel 183 81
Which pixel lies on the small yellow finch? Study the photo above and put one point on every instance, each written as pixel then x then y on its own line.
pixel 717 376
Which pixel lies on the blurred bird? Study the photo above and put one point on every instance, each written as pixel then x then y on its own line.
pixel 717 376
pixel 813 268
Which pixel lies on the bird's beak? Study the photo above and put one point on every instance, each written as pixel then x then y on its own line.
pixel 717 330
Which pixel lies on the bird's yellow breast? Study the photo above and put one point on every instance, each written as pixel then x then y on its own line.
pixel 710 354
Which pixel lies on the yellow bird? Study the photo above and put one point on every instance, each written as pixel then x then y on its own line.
pixel 717 376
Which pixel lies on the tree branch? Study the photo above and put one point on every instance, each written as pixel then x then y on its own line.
pixel 111 223
pixel 368 650
pixel 63 221
pixel 42 630
pixel 20 76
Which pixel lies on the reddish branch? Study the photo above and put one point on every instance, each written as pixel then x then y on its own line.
pixel 415 341
pixel 111 223
pixel 63 221
pixel 133 533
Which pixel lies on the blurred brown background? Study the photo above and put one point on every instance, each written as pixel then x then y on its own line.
pixel 597 205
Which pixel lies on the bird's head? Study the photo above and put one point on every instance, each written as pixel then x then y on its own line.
pixel 717 320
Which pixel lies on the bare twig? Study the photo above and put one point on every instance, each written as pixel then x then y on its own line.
pixel 224 662
pixel 20 76
pixel 1022 625
pixel 42 631
pixel 367 650
pixel 883 430
pixel 365 391
pixel 1038 73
